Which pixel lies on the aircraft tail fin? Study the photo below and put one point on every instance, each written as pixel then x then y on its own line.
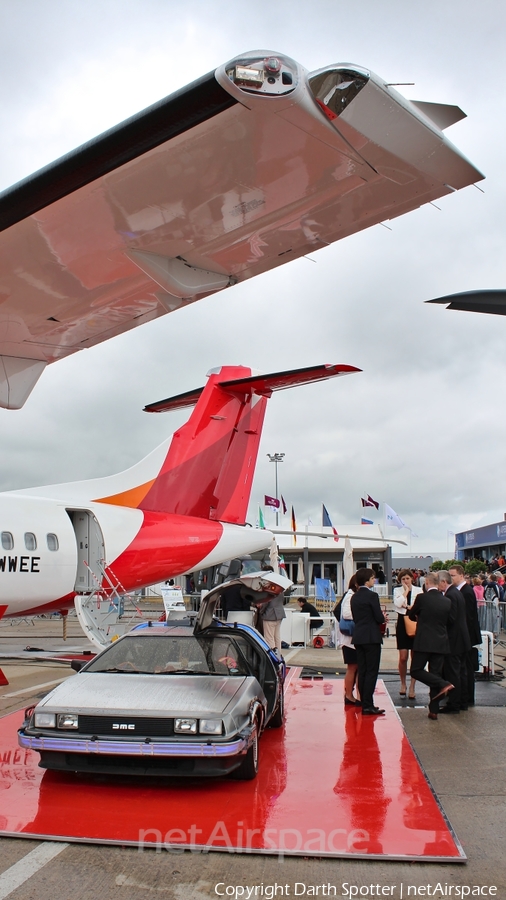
pixel 209 467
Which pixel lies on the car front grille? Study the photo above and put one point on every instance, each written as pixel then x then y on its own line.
pixel 123 765
pixel 125 726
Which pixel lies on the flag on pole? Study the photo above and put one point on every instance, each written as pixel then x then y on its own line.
pixel 294 527
pixel 261 523
pixel 327 523
pixel 366 521
pixel 392 518
pixel 271 501
pixel 283 505
pixel 370 502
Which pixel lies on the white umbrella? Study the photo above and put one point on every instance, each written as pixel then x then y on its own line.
pixel 347 563
pixel 300 571
pixel 274 556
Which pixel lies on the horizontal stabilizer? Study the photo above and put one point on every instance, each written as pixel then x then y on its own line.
pixel 442 114
pixel 262 385
pixel 180 401
pixel 493 302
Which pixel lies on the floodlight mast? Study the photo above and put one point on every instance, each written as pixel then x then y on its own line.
pixel 276 458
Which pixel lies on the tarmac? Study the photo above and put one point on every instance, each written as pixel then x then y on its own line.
pixel 463 757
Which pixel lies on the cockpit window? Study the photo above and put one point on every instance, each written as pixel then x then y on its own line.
pixel 334 89
pixel 7 540
pixel 30 541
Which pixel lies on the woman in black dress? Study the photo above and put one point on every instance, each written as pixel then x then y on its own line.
pixel 404 597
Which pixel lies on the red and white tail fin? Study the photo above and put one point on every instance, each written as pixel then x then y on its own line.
pixel 209 467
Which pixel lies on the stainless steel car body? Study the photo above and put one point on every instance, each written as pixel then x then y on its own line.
pixel 127 706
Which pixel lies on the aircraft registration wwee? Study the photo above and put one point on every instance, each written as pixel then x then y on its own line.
pixel 251 166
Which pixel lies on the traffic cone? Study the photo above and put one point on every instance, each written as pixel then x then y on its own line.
pixel 3 679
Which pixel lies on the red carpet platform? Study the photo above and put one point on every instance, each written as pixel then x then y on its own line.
pixel 331 783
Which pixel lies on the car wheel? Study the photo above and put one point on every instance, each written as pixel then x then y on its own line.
pixel 278 719
pixel 248 769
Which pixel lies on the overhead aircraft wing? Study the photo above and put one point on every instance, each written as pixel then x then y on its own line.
pixel 245 169
pixel 493 302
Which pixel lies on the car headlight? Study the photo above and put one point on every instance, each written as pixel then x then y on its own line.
pixel 185 726
pixel 211 726
pixel 67 720
pixel 45 720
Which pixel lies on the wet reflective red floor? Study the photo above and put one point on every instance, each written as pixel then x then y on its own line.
pixel 331 783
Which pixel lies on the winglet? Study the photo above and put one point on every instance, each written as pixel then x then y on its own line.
pixel 442 114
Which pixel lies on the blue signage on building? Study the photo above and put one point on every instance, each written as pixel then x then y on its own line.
pixel 480 537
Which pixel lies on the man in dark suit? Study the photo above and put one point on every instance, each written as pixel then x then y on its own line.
pixel 232 599
pixel 367 638
pixel 432 612
pixel 454 668
pixel 314 616
pixel 473 627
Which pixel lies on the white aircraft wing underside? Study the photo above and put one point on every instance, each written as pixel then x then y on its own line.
pixel 225 179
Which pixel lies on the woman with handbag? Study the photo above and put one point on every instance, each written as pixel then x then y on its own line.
pixel 404 597
pixel 346 626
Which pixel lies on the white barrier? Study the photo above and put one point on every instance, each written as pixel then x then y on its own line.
pixel 486 654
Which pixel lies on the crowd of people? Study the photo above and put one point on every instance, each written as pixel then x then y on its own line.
pixel 437 631
pixel 491 574
pixel 489 587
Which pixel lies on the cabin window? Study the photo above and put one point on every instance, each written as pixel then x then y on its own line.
pixel 52 542
pixel 30 541
pixel 7 540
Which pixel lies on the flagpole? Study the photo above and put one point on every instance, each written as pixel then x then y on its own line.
pixel 306 564
pixel 276 458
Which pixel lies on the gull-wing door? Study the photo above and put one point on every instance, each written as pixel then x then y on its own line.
pixel 245 169
pixel 257 587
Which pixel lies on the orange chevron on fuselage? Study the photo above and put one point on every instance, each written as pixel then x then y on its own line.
pixel 132 498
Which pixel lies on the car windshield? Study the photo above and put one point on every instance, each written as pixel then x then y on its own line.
pixel 171 655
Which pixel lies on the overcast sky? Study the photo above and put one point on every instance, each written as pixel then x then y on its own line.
pixel 424 426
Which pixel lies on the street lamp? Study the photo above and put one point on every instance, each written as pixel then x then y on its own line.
pixel 276 458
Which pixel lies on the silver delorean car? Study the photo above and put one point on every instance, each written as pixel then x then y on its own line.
pixel 179 698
